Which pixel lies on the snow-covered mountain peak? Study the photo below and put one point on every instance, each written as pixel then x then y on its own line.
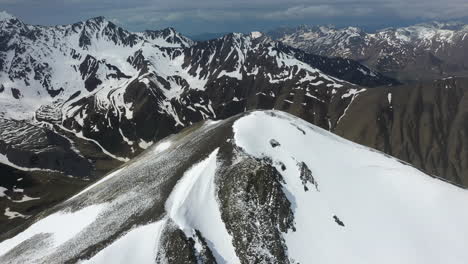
pixel 6 16
pixel 97 20
pixel 428 50
pixel 168 37
pixel 248 189
pixel 256 34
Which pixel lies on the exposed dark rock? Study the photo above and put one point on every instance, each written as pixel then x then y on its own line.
pixel 35 147
pixel 16 93
pixel 338 221
pixel 306 176
pixel 274 143
pixel 175 247
pixel 255 209
pixel 50 187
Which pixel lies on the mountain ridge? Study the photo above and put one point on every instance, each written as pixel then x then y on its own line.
pixel 222 192
pixel 393 51
pixel 119 98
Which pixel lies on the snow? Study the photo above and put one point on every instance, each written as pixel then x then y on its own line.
pixel 139 245
pixel 24 199
pixel 235 75
pixel 2 191
pixel 162 146
pixel 17 189
pixel 128 141
pixel 256 34
pixel 193 205
pixel 12 215
pixel 347 42
pixel 5 16
pixel 4 159
pixel 54 225
pixel 354 93
pixel 144 145
pixel 80 135
pixel 392 213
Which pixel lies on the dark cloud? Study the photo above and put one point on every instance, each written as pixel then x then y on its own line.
pixel 236 15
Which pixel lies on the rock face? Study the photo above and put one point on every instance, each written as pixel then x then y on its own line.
pixel 425 124
pixel 419 52
pixel 34 147
pixel 23 194
pixel 218 192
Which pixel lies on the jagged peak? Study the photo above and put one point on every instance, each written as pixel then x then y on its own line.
pixel 450 25
pixel 94 22
pixel 163 32
pixel 170 29
pixel 170 35
pixel 98 19
pixel 256 34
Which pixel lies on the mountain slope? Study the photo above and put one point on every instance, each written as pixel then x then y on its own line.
pixel 213 79
pixel 419 52
pixel 94 78
pixel 78 100
pixel 424 123
pixel 244 190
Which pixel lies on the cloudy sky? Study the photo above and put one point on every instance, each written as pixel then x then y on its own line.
pixel 200 16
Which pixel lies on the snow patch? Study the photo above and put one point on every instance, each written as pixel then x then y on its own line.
pixel 55 226
pixel 162 146
pixel 256 34
pixel 2 191
pixel 393 209
pixel 139 245
pixel 5 16
pixel 144 145
pixel 12 215
pixel 196 193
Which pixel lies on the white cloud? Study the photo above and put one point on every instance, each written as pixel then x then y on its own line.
pixel 298 12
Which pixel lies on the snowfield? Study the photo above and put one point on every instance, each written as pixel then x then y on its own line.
pixel 354 204
pixel 392 213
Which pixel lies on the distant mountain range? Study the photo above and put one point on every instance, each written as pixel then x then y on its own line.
pixel 207 36
pixel 419 52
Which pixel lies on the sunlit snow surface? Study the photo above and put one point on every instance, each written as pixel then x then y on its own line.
pixel 137 246
pixel 192 205
pixel 392 213
pixel 61 227
pixel 389 212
